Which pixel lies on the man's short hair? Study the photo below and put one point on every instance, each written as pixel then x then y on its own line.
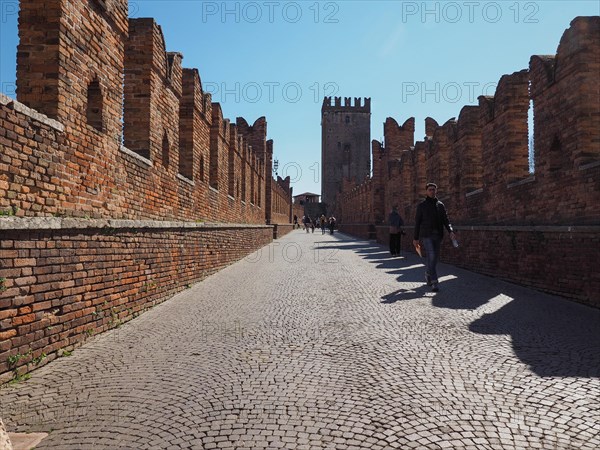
pixel 428 185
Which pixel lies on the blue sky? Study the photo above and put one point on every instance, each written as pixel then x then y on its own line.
pixel 279 58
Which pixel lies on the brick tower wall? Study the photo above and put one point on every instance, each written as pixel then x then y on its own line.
pixel 346 137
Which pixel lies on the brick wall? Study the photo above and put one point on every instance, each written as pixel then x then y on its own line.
pixel 65 280
pixel 512 222
pixel 120 181
pixel 181 159
pixel 281 208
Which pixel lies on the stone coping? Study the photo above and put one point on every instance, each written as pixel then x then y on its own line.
pixel 136 157
pixel 20 107
pixel 67 223
pixel 540 228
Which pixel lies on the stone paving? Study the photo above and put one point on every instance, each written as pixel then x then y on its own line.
pixel 336 346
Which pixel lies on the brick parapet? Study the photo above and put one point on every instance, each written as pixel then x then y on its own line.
pixel 64 280
pixel 280 191
pixel 482 158
pixel 163 170
pixel 564 252
pixel 30 113
pixel 480 162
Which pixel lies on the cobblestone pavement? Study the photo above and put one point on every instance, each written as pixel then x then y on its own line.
pixel 337 346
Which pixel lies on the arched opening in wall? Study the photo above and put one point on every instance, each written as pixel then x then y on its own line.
pixel 347 119
pixel 202 168
pixel 231 172
pixel 557 160
pixel 258 194
pixel 213 169
pixel 530 138
pixel 186 156
pixel 346 162
pixel 103 4
pixel 94 105
pixel 243 180
pixel 165 151
pixel 252 192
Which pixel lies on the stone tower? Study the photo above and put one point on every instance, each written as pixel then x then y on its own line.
pixel 345 145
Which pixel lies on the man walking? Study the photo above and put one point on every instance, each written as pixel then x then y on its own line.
pixel 430 221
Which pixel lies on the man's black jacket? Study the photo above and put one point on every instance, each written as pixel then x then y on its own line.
pixel 431 218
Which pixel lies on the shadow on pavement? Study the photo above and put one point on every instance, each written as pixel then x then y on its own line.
pixel 556 337
pixel 405 294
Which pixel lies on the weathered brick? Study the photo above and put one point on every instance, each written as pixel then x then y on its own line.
pixel 8 313
pixel 7 334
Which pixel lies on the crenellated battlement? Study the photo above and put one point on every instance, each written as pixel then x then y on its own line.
pixel 141 137
pixel 335 104
pixel 486 150
pixel 481 161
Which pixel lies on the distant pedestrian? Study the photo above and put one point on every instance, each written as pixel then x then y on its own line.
pixel 296 222
pixel 430 220
pixel 312 225
pixel 396 224
pixel 331 224
pixel 323 221
pixel 306 223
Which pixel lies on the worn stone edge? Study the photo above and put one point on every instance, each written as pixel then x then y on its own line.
pixel 21 108
pixel 137 157
pixel 508 228
pixel 66 223
pixel 4 438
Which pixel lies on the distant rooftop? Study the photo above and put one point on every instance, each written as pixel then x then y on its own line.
pixel 310 194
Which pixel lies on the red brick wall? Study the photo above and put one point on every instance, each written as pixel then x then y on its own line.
pixel 281 209
pixel 61 286
pixel 92 175
pixel 355 204
pixel 480 163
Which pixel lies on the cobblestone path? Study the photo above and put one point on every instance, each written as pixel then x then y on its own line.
pixel 337 346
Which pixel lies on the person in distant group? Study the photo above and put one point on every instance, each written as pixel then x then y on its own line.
pixel 430 220
pixel 396 224
pixel 306 223
pixel 296 222
pixel 331 224
pixel 322 221
pixel 312 225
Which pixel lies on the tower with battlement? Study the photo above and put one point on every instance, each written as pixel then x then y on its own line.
pixel 345 145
